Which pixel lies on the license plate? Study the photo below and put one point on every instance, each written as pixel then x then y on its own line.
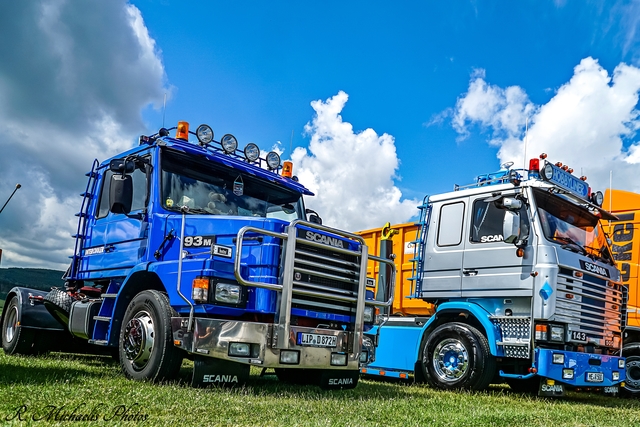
pixel 595 377
pixel 317 340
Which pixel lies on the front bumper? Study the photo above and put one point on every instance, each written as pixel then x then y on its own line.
pixel 582 364
pixel 212 338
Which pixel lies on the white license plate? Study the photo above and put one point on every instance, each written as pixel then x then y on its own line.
pixel 595 377
pixel 317 340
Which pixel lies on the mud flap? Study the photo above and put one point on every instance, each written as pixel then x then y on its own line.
pixel 208 371
pixel 551 390
pixel 337 380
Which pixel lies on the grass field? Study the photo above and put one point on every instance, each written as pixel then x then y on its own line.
pixel 37 390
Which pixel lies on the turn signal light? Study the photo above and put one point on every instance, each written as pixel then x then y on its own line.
pixel 200 289
pixel 182 132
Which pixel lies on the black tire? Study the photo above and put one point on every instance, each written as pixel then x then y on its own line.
pixel 16 339
pixel 146 342
pixel 632 369
pixel 457 356
pixel 296 376
pixel 58 303
pixel 528 386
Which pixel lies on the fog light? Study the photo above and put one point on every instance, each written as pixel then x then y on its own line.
pixel 200 289
pixel 557 333
pixel 239 349
pixel 273 160
pixel 338 359
pixel 368 315
pixel 621 363
pixel 567 374
pixel 364 356
pixel 289 357
pixel 227 293
pixel 229 143
pixel 615 375
pixel 558 358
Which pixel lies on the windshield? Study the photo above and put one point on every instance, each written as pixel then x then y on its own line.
pixel 212 189
pixel 574 226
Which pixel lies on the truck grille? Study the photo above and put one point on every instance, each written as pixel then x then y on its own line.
pixel 591 305
pixel 325 277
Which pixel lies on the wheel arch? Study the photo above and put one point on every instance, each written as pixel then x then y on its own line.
pixel 137 282
pixel 31 316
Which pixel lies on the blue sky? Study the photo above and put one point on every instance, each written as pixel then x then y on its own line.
pixel 378 103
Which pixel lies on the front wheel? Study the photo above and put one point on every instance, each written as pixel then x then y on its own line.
pixel 16 339
pixel 632 383
pixel 146 343
pixel 457 356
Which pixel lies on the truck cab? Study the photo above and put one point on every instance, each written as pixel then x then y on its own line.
pixel 204 251
pixel 522 285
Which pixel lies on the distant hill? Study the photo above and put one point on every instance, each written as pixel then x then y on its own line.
pixel 36 278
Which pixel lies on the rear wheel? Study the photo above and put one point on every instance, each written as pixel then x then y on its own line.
pixel 457 356
pixel 16 339
pixel 146 342
pixel 58 303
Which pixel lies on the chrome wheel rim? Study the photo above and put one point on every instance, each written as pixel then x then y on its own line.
pixel 11 324
pixel 138 340
pixel 450 360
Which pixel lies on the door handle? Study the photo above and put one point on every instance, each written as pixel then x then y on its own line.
pixel 469 272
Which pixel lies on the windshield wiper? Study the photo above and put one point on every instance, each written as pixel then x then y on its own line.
pixel 570 241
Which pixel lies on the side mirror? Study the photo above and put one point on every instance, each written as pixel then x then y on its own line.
pixel 121 194
pixel 511 226
pixel 122 166
pixel 511 203
pixel 313 216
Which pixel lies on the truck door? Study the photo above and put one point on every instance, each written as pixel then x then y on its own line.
pixel 490 267
pixel 444 250
pixel 116 242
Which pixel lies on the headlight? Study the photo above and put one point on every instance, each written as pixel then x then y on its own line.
pixel 557 333
pixel 251 152
pixel 204 134
pixel 229 143
pixel 558 358
pixel 567 374
pixel 273 160
pixel 227 293
pixel 621 363
pixel 368 315
pixel 615 375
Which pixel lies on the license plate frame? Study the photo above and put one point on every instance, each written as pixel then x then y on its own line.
pixel 308 339
pixel 594 377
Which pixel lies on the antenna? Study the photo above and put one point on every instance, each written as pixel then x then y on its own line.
pixel 164 108
pixel 291 142
pixel 526 133
pixel 14 192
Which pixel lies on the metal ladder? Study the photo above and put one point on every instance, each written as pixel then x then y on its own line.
pixel 81 232
pixel 417 268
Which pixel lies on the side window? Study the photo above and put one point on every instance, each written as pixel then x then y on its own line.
pixel 450 224
pixel 487 220
pixel 139 192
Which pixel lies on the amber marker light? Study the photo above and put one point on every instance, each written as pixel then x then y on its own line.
pixel 182 131
pixel 287 169
pixel 520 252
pixel 200 289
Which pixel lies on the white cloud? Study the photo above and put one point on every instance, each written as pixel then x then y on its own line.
pixel 80 73
pixel 350 172
pixel 589 124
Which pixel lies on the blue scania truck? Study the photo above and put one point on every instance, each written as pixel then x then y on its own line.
pixel 511 279
pixel 200 250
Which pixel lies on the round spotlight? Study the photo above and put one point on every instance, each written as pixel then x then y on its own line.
pixel 273 160
pixel 597 198
pixel 547 171
pixel 252 152
pixel 229 143
pixel 204 134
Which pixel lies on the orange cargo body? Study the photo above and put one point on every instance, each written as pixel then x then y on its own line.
pixel 625 239
pixel 403 301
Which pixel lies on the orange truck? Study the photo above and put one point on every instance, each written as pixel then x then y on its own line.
pixel 625 245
